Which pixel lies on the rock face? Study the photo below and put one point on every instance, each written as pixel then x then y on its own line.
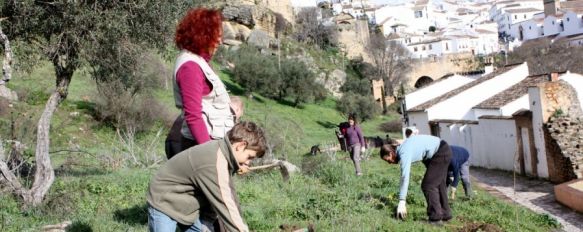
pixel 259 39
pixel 8 94
pixel 333 81
pixel 251 16
pixel 242 14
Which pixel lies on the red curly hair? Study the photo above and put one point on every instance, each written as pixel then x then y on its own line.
pixel 199 31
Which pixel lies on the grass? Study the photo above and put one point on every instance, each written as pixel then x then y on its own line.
pixel 98 196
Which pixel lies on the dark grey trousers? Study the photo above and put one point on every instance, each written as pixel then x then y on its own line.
pixel 434 186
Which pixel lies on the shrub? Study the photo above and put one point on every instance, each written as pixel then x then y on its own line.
pixel 392 126
pixel 298 82
pixel 363 106
pixel 124 109
pixel 256 72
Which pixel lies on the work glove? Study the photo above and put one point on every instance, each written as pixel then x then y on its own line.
pixel 453 190
pixel 362 149
pixel 402 210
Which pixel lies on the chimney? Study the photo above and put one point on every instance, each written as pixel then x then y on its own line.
pixel 554 76
pixel 550 7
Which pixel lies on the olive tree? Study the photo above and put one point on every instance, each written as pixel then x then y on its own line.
pixel 103 35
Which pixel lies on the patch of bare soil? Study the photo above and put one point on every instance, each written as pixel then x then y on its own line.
pixel 475 227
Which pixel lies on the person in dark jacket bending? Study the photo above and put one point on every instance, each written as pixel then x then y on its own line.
pixel 459 166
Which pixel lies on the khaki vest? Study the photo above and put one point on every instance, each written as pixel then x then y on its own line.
pixel 216 111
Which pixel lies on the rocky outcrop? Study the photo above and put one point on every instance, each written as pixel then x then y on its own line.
pixel 8 94
pixel 333 81
pixel 259 39
pixel 251 16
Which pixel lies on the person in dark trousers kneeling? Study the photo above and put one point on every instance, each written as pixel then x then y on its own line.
pixel 199 178
pixel 436 156
pixel 459 166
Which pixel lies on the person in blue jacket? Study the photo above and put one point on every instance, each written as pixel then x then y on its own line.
pixel 436 156
pixel 459 166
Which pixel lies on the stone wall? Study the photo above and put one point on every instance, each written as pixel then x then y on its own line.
pixel 563 131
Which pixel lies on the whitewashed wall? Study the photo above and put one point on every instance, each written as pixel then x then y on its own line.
pixel 459 107
pixel 551 26
pixel 419 120
pixel 516 105
pixel 481 112
pixel 491 143
pixel 575 80
pixel 537 123
pixel 435 90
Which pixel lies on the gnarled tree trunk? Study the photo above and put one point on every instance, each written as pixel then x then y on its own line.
pixel 44 176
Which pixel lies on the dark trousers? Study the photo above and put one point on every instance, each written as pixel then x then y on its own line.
pixel 175 141
pixel 433 184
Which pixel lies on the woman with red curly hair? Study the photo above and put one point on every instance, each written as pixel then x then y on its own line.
pixel 203 99
pixel 198 91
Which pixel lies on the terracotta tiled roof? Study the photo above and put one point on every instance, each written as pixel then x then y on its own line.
pixel 514 92
pixel 569 5
pixel 454 92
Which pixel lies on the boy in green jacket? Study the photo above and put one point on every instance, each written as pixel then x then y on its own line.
pixel 199 178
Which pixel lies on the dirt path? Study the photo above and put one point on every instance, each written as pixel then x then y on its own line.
pixel 534 194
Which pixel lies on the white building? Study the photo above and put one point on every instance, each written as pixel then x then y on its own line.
pixel 458 104
pixel 560 21
pixel 416 17
pixel 436 89
pixel 502 131
pixel 506 13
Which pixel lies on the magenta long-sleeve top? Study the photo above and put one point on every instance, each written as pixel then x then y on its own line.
pixel 193 86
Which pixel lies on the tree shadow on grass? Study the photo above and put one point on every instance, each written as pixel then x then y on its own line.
pixel 79 227
pixel 327 125
pixel 234 89
pixel 86 106
pixel 136 215
pixel 63 171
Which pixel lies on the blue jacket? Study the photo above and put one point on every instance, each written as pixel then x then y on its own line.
pixel 460 156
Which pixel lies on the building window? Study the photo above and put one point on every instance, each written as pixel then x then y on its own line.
pixel 423 47
pixel 418 14
pixel 553 22
pixel 415 49
pixel 508 26
pixel 567 19
pixel 524 16
pixel 529 27
pixel 430 47
pixel 446 47
pixel 515 16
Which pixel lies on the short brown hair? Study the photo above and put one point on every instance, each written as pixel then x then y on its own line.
pixel 252 134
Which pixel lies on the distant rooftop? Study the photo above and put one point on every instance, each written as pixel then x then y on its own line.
pixel 523 10
pixel 514 92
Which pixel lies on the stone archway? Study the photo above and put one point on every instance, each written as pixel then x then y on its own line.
pixel 423 81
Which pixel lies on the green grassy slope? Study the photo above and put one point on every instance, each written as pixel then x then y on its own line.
pixel 98 195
